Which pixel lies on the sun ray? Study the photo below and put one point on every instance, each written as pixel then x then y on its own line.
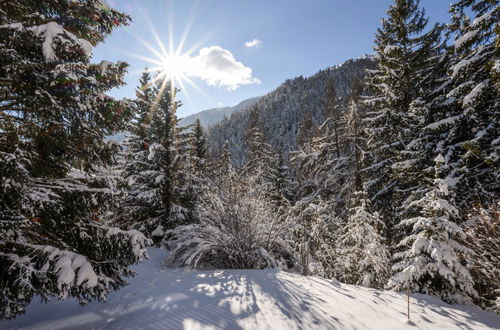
pixel 146 44
pixel 172 65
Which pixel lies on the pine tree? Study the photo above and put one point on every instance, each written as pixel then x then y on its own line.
pixel 145 100
pixel 55 238
pixel 199 154
pixel 261 160
pixel 355 136
pixel 362 256
pixel 322 165
pixel 482 231
pixel 403 53
pixel 473 144
pixel 432 257
pixel 222 167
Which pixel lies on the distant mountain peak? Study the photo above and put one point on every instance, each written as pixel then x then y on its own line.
pixel 211 116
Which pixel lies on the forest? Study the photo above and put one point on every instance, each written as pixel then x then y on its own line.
pixel 385 175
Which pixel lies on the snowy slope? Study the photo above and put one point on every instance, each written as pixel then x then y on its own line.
pixel 247 299
pixel 212 116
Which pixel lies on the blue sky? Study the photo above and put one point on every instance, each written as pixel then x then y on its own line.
pixel 297 37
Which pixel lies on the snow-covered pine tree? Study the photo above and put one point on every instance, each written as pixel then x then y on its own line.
pixel 222 167
pixel 322 165
pixel 280 186
pixel 483 238
pixel 355 136
pixel 402 52
pixel 159 195
pixel 261 164
pixel 474 147
pixel 138 170
pixel 313 225
pixel 199 150
pixel 361 254
pixel 145 100
pixel 54 237
pixel 431 259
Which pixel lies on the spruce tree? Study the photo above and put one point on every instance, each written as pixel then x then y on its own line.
pixel 473 143
pixel 402 52
pixel 431 259
pixel 362 257
pixel 55 237
pixel 200 152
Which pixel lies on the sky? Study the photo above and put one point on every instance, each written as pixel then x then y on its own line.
pixel 231 50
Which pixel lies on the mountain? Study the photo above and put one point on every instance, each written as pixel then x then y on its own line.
pixel 288 111
pixel 211 116
pixel 159 298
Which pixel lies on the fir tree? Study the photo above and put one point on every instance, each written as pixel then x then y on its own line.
pixel 403 53
pixel 199 150
pixel 55 238
pixel 431 260
pixel 473 145
pixel 482 230
pixel 362 257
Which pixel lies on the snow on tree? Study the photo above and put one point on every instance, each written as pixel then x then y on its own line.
pixel 402 53
pixel 431 259
pixel 473 144
pixel 55 239
pixel 260 157
pixel 482 230
pixel 322 165
pixel 159 171
pixel 313 226
pixel 361 255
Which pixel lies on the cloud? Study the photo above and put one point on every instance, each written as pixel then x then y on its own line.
pixel 254 43
pixel 218 67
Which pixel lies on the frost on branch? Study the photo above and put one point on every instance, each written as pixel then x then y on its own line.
pixel 238 229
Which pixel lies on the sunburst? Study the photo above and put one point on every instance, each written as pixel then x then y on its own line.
pixel 171 66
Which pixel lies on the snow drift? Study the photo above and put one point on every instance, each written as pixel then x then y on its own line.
pixel 247 299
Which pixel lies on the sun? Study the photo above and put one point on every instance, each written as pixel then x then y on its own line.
pixel 169 64
pixel 175 67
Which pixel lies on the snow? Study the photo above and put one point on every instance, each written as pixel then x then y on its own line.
pixel 465 38
pixel 475 92
pixel 446 121
pixel 50 32
pixel 248 299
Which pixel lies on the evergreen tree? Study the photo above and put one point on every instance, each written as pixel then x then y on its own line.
pixel 55 239
pixel 431 260
pixel 261 158
pixel 322 165
pixel 355 137
pixel 403 53
pixel 200 153
pixel 483 238
pixel 362 257
pixel 472 142
pixel 145 100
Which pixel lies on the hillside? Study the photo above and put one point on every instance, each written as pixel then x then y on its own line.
pixel 247 299
pixel 212 116
pixel 282 112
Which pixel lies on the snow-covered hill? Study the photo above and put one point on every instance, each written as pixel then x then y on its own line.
pixel 284 112
pixel 248 299
pixel 212 116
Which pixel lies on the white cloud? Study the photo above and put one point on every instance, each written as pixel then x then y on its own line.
pixel 254 43
pixel 218 67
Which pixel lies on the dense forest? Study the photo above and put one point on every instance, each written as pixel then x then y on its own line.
pixel 382 172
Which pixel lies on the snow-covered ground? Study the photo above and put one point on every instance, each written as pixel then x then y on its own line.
pixel 248 299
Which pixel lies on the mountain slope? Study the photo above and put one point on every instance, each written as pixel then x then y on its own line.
pixel 281 113
pixel 160 298
pixel 211 116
